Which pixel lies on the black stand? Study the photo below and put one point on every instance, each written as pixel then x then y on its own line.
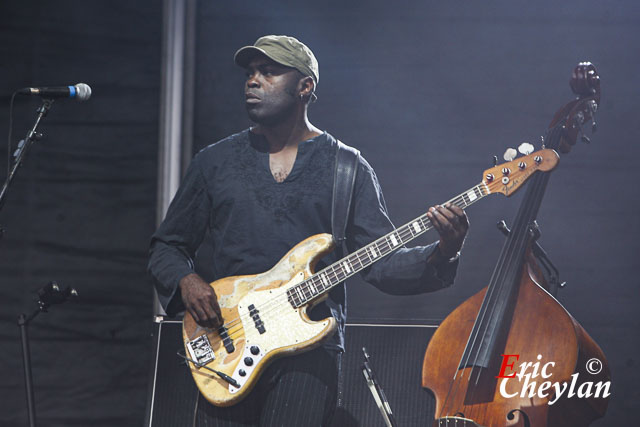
pixel 48 295
pixel 23 322
pixel 377 392
pixel 21 151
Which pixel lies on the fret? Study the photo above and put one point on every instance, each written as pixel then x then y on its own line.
pixel 382 247
pixel 335 272
pixel 356 261
pixel 425 223
pixel 313 286
pixel 346 266
pixel 394 240
pixel 478 190
pixel 294 298
pixel 323 278
pixel 301 289
pixel 361 264
pixel 466 200
pixel 408 228
pixel 374 254
pixel 486 187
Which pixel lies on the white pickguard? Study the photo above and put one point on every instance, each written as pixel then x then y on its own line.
pixel 284 328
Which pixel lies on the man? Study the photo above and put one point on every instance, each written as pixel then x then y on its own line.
pixel 260 192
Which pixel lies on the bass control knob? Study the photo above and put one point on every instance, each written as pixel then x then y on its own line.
pixel 254 350
pixel 248 361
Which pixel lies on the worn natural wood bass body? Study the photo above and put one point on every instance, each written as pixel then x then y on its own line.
pixel 265 314
pixel 286 329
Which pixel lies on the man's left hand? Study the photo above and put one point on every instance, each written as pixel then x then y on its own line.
pixel 452 225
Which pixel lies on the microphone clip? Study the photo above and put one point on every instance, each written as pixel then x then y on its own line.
pixel 51 294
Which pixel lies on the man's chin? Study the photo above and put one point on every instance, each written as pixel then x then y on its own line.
pixel 260 119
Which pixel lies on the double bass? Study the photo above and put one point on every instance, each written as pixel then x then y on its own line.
pixel 512 355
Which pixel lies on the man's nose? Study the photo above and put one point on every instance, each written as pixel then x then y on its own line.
pixel 252 81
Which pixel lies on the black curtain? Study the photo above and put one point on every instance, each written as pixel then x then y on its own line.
pixel 82 208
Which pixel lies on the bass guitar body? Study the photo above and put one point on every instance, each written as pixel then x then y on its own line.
pixel 266 325
pixel 475 394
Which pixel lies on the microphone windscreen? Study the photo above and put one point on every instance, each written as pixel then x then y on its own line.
pixel 83 91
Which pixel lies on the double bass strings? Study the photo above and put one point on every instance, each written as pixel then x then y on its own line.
pixel 497 288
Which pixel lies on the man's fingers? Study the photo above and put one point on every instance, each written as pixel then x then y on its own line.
pixel 460 214
pixel 456 217
pixel 457 210
pixel 202 304
pixel 448 214
pixel 213 308
pixel 198 314
pixel 204 315
pixel 439 220
pixel 216 307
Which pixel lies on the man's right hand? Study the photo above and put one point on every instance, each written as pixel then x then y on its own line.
pixel 201 301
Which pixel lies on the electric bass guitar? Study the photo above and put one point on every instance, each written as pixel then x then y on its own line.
pixel 265 314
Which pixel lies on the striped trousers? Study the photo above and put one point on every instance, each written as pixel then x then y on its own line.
pixel 297 391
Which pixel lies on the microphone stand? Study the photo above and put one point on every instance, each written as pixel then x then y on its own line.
pixel 21 151
pixel 48 295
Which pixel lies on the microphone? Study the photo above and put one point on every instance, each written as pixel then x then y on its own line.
pixel 80 91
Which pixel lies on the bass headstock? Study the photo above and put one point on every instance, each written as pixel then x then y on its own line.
pixel 572 117
pixel 508 177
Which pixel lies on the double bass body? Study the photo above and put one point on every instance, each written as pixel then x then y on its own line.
pixel 540 326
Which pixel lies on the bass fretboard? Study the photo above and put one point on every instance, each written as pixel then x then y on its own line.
pixel 339 271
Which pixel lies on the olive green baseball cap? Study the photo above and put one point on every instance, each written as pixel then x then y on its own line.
pixel 284 50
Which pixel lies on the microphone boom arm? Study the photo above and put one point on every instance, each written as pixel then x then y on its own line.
pixel 22 150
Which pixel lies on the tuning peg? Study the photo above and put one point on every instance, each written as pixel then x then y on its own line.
pixel 525 148
pixel 510 154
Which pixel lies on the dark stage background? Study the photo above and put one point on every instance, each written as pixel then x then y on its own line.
pixel 428 91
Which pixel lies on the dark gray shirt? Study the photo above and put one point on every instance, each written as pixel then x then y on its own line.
pixel 253 221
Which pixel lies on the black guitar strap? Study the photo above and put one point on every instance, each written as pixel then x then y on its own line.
pixel 344 179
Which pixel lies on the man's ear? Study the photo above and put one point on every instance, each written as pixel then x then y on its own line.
pixel 306 86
